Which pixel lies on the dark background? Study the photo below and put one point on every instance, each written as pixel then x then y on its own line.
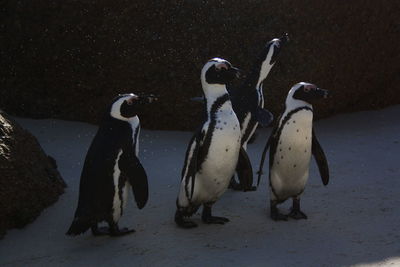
pixel 68 59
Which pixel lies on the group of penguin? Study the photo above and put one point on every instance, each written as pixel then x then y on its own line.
pixel 215 153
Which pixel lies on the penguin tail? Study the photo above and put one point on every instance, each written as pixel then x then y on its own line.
pixel 78 226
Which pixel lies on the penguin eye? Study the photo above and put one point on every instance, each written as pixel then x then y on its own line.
pixel 307 89
pixel 131 100
pixel 221 66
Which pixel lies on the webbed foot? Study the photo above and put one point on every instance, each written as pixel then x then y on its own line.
pixel 276 215
pixel 215 220
pixel 209 219
pixel 96 231
pixel 120 232
pixel 295 212
pixel 183 222
pixel 297 215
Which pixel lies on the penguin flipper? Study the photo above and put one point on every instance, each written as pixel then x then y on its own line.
pixel 132 168
pixel 320 158
pixel 192 159
pixel 260 170
pixel 244 171
pixel 264 117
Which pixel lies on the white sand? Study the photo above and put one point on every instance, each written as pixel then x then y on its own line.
pixel 354 221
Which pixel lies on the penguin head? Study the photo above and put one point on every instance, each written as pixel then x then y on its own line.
pixel 273 48
pixel 307 92
pixel 127 106
pixel 219 71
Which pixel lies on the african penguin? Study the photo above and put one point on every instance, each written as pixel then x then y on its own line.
pixel 248 104
pixel 213 151
pixel 111 169
pixel 291 144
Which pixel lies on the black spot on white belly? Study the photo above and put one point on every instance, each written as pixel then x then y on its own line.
pixel 219 121
pixel 297 130
pixel 294 166
pixel 225 122
pixel 290 148
pixel 306 137
pixel 281 157
pixel 305 151
pixel 294 121
pixel 226 150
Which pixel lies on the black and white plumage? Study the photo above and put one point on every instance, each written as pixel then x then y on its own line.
pixel 213 151
pixel 248 104
pixel 111 169
pixel 291 145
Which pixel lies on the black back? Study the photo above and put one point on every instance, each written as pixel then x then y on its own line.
pixel 245 98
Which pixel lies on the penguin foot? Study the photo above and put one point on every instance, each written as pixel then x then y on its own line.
pixel 182 222
pixel 215 220
pixel 120 232
pixel 297 214
pixel 96 231
pixel 235 185
pixel 279 217
pixel 209 219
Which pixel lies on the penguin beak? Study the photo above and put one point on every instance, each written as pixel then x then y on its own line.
pixel 148 99
pixel 239 73
pixel 324 93
pixel 285 38
pixel 132 99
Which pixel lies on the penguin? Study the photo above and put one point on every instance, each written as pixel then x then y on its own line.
pixel 248 104
pixel 111 169
pixel 291 145
pixel 213 150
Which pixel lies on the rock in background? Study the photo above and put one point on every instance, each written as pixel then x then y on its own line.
pixel 68 59
pixel 29 180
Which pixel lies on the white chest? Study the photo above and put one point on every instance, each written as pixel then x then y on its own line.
pixel 222 156
pixel 293 152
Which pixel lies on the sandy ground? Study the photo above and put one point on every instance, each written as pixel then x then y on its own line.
pixel 354 221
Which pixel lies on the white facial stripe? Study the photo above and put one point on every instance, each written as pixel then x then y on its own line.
pixel 116 107
pixel 266 66
pixel 292 103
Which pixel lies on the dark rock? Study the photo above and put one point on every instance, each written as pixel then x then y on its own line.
pixel 67 59
pixel 29 179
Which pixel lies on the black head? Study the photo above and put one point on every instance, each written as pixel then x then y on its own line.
pixel 308 92
pixel 127 106
pixel 219 71
pixel 274 46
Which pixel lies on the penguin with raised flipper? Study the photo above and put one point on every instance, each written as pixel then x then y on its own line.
pixel 111 169
pixel 213 151
pixel 248 104
pixel 291 144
